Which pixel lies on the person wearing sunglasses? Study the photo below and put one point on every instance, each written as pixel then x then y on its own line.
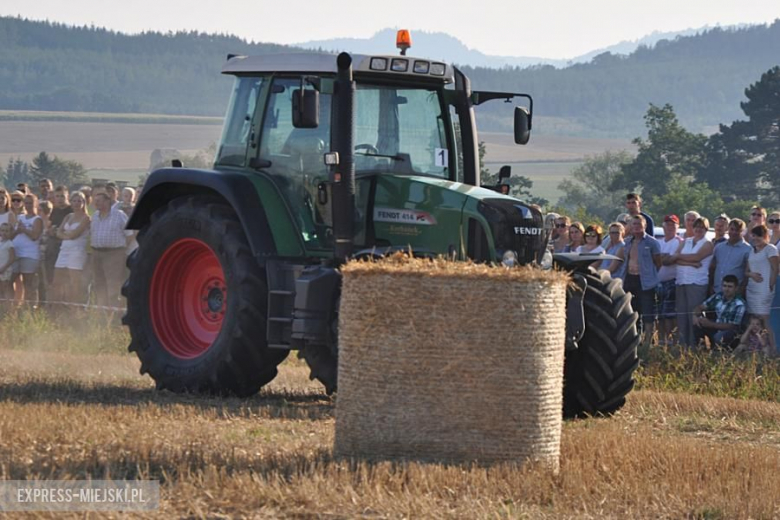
pixel 612 244
pixel 560 234
pixel 757 218
pixel 27 237
pixel 773 223
pixel 17 204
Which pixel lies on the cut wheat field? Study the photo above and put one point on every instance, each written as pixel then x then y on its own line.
pixel 73 406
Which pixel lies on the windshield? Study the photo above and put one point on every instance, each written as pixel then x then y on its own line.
pixel 400 130
pixel 238 121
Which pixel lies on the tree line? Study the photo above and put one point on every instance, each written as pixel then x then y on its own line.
pixel 49 66
pixel 677 170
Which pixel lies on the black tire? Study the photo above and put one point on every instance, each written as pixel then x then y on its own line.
pixel 599 373
pixel 233 358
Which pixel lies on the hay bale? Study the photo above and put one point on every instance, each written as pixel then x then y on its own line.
pixel 450 361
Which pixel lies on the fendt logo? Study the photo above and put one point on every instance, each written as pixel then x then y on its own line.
pixel 528 231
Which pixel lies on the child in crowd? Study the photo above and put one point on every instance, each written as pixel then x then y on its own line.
pixel 7 258
pixel 755 339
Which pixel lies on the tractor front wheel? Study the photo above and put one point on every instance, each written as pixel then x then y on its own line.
pixel 196 302
pixel 599 373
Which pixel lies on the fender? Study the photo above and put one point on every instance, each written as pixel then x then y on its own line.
pixel 579 262
pixel 236 189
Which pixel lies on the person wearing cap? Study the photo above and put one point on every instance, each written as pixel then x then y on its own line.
pixel 667 276
pixel 641 257
pixel 721 225
pixel 730 257
pixel 634 208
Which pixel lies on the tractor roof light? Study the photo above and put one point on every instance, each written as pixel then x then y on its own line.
pixel 403 40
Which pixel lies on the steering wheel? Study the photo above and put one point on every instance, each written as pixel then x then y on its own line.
pixel 369 148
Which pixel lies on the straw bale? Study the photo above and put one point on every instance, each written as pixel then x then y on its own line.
pixel 450 361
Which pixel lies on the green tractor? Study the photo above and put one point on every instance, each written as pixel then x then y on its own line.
pixel 324 159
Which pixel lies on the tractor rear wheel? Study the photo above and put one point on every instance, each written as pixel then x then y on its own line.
pixel 599 373
pixel 196 302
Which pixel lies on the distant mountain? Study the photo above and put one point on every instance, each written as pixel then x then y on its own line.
pixel 434 45
pixel 442 46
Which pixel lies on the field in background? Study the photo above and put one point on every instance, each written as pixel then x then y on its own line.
pixel 72 405
pixel 118 146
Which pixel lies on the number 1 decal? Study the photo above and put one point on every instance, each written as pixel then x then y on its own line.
pixel 442 157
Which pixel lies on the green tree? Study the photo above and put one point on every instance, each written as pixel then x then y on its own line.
pixel 16 172
pixel 684 196
pixel 60 171
pixel 670 151
pixel 744 157
pixel 590 186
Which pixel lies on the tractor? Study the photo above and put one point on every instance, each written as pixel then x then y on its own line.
pixel 324 159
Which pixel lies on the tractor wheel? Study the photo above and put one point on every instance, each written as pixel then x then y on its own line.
pixel 196 302
pixel 599 373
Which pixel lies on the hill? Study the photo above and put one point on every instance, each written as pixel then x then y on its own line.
pixel 442 46
pixel 45 66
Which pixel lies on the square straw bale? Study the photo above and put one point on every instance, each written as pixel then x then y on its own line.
pixel 450 362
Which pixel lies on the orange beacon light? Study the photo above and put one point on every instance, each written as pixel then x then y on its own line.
pixel 403 40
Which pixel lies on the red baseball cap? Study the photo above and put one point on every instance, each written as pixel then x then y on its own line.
pixel 672 218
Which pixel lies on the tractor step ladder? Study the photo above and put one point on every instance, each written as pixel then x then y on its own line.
pixel 281 299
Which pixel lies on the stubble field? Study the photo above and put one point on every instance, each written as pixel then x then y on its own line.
pixel 72 405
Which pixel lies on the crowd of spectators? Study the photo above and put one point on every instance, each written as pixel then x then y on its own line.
pixel 693 283
pixel 60 246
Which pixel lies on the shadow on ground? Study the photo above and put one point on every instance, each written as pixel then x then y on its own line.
pixel 274 404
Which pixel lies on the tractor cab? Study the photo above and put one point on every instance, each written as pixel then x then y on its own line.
pixel 412 145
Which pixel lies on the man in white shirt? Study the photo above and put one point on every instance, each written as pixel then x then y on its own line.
pixel 109 242
pixel 667 274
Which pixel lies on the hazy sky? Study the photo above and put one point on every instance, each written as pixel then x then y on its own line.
pixel 547 28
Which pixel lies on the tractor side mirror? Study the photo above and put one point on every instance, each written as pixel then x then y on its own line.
pixel 504 173
pixel 305 108
pixel 522 125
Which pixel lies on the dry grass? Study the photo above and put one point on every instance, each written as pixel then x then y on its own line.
pixel 81 410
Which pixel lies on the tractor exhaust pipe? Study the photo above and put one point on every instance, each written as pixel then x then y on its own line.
pixel 343 173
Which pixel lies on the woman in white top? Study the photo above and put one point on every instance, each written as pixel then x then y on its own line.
pixel 6 215
pixel 761 272
pixel 69 268
pixel 693 258
pixel 27 238
pixel 773 223
pixel 592 245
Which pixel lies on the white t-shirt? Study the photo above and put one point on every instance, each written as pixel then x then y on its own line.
pixel 596 251
pixel 668 272
pixel 24 245
pixel 6 246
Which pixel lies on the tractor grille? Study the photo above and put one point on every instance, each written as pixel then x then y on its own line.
pixel 515 227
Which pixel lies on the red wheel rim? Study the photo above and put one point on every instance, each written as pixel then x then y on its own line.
pixel 188 298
